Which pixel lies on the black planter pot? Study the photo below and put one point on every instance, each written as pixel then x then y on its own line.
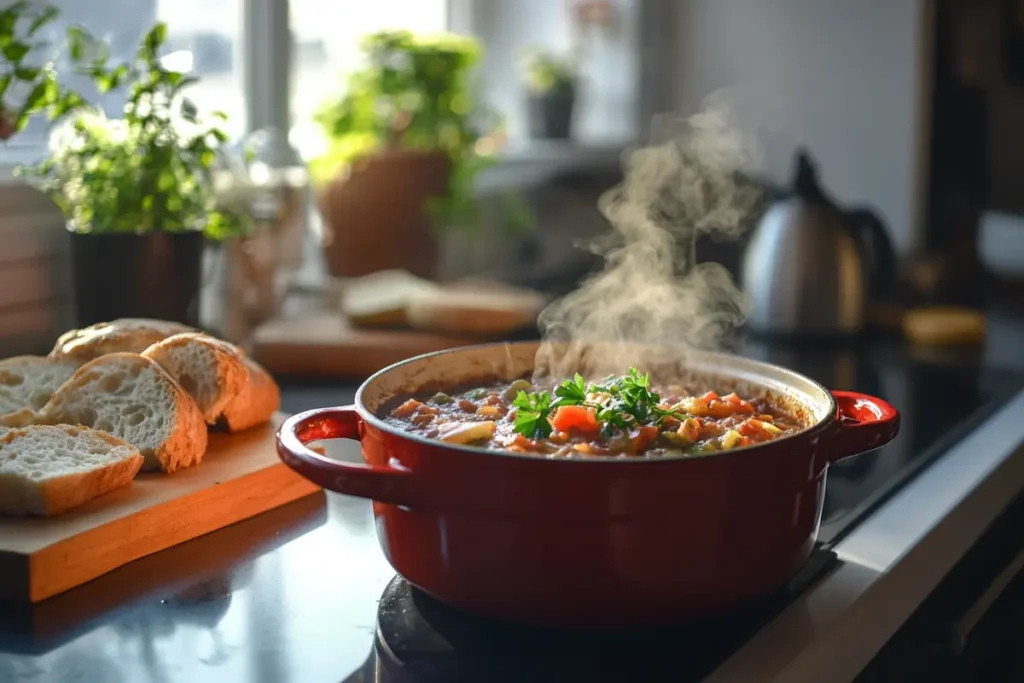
pixel 550 115
pixel 156 275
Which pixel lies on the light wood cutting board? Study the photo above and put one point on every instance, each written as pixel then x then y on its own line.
pixel 324 345
pixel 240 476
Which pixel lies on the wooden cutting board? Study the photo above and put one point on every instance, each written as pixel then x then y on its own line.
pixel 360 327
pixel 240 476
pixel 324 345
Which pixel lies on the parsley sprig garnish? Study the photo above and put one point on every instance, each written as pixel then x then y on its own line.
pixel 630 403
pixel 532 412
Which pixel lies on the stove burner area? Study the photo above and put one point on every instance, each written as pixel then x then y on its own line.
pixel 421 640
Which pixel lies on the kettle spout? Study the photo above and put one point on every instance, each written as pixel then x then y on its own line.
pixel 805 177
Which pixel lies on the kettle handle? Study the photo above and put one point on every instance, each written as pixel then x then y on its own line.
pixel 878 250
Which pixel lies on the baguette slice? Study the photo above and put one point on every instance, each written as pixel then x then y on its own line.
pixel 29 381
pixel 134 399
pixel 257 403
pixel 46 470
pixel 212 371
pixel 125 335
pixel 228 386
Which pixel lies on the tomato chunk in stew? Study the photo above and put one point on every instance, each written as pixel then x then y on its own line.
pixel 619 416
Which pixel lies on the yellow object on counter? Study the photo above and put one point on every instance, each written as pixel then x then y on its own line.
pixel 945 326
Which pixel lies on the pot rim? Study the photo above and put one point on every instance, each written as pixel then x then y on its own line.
pixel 808 432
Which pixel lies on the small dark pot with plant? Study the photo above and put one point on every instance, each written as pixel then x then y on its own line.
pixel 549 114
pixel 153 275
pixel 138 192
pixel 550 94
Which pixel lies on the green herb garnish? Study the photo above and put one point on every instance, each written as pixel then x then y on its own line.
pixel 631 403
pixel 571 392
pixel 532 412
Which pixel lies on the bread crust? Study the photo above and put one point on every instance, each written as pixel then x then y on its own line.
pixel 132 335
pixel 187 445
pixel 21 418
pixel 60 494
pixel 255 405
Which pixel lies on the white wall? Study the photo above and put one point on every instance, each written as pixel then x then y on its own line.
pixel 608 97
pixel 843 77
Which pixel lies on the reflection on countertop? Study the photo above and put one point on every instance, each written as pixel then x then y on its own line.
pixel 259 601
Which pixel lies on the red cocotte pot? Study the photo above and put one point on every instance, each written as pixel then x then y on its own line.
pixel 595 542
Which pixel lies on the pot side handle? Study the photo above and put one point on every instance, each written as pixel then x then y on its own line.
pixel 386 484
pixel 863 423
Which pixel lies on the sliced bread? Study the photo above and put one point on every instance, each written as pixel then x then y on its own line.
pixel 229 387
pixel 29 381
pixel 46 470
pixel 130 335
pixel 134 399
pixel 212 371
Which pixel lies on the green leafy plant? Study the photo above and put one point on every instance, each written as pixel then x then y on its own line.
pixel 153 168
pixel 547 72
pixel 21 24
pixel 415 93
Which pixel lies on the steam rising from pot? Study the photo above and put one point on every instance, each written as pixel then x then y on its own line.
pixel 652 296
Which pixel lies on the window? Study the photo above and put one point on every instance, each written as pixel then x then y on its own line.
pixel 124 22
pixel 202 35
pixel 205 36
pixel 326 36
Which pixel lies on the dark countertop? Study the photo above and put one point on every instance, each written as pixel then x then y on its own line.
pixel 253 602
pixel 298 397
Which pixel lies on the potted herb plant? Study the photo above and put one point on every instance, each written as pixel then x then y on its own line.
pixel 551 82
pixel 137 191
pixel 406 140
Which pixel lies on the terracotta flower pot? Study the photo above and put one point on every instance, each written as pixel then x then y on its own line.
pixel 375 215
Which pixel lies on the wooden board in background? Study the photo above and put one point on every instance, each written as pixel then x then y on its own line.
pixel 322 344
pixel 240 476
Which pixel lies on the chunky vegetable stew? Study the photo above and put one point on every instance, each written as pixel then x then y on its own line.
pixel 619 416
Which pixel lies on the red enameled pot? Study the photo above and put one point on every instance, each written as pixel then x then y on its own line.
pixel 589 542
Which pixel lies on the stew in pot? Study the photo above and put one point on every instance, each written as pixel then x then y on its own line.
pixel 621 416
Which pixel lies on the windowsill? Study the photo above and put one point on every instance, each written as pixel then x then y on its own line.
pixel 13 156
pixel 520 163
pixel 531 162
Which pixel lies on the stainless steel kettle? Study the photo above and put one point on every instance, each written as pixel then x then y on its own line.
pixel 812 268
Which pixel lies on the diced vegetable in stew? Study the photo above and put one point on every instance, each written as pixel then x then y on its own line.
pixel 619 416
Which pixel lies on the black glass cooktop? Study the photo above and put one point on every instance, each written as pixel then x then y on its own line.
pixel 419 640
pixel 941 397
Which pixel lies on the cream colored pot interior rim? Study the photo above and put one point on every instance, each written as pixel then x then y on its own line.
pixel 508 361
